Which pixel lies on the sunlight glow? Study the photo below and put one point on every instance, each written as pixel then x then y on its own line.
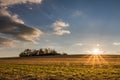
pixel 96 52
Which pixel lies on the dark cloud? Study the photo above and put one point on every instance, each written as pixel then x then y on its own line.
pixel 11 25
pixel 15 27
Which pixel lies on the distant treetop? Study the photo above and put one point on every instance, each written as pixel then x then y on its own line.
pixel 40 52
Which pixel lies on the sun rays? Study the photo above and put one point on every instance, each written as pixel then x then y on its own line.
pixel 96 60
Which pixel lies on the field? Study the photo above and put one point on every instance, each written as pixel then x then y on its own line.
pixel 76 67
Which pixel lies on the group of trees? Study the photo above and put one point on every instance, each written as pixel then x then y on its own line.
pixel 40 52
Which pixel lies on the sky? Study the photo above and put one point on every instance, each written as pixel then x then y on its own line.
pixel 71 26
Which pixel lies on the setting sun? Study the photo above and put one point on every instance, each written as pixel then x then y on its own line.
pixel 96 51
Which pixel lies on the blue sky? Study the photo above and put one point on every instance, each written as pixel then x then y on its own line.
pixel 72 26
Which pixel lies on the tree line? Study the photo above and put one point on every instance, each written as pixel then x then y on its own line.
pixel 40 52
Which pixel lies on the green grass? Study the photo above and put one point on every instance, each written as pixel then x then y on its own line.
pixel 58 69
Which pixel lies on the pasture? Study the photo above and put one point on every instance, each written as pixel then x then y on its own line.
pixel 73 67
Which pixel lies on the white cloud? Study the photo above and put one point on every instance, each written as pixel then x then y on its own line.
pixel 13 2
pixel 116 43
pixel 59 26
pixel 98 45
pixel 79 44
pixel 30 8
pixel 16 18
pixel 62 32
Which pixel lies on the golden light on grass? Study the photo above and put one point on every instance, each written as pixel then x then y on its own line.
pixel 96 58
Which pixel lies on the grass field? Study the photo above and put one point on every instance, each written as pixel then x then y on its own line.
pixel 83 67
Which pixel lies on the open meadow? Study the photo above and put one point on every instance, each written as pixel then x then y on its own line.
pixel 59 39
pixel 79 67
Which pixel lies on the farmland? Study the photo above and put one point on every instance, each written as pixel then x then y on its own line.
pixel 74 67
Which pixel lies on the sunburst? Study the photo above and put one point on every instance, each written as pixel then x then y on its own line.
pixel 96 58
pixel 96 52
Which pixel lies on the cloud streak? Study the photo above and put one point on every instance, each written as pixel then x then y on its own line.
pixel 4 42
pixel 58 27
pixel 116 43
pixel 77 13
pixel 79 44
pixel 13 2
